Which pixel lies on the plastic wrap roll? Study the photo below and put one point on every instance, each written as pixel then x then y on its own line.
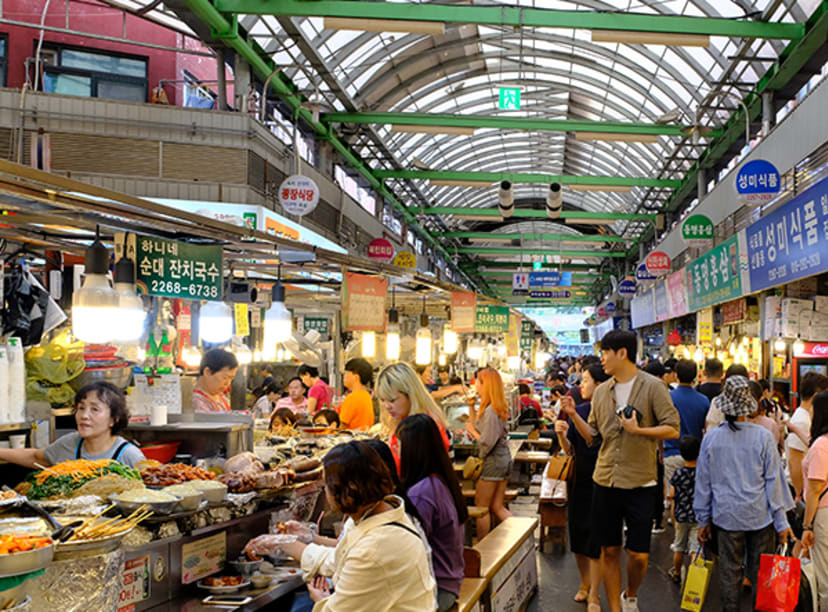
pixel 4 384
pixel 17 381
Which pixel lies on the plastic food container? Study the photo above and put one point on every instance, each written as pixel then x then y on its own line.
pixel 162 452
pixel 214 491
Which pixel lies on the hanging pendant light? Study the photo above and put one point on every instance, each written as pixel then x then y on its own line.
pixel 131 313
pixel 698 356
pixel 369 344
pixel 449 336
pixel 780 345
pixel 441 359
pixel 95 305
pixel 215 322
pixel 474 350
pixel 798 346
pixel 191 356
pixel 278 322
pixel 422 354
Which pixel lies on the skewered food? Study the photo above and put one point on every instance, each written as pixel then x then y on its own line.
pixel 94 528
pixel 65 479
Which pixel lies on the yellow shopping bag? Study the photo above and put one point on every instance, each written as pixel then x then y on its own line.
pixel 695 587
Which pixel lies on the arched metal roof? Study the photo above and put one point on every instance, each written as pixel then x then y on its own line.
pixel 562 73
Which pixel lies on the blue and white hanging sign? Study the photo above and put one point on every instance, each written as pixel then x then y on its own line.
pixel 757 182
pixel 642 274
pixel 626 287
pixel 791 242
pixel 550 279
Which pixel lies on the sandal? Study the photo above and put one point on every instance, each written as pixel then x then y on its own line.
pixel 594 607
pixel 581 595
pixel 674 575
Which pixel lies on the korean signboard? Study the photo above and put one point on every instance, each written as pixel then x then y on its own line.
pixel 203 557
pixel 491 319
pixel 381 249
pixel 657 263
pixel 405 259
pixel 676 294
pixel 734 311
pixel 715 277
pixel 513 336
pixel 550 279
pixel 135 582
pixel 662 304
pixel 298 195
pixel 697 230
pixel 555 294
pixel 527 332
pixel 626 287
pixel 791 242
pixel 642 274
pixel 757 182
pixel 320 324
pixel 642 309
pixel 176 269
pixel 363 302
pixel 462 311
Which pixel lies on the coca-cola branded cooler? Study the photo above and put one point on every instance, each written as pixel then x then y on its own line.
pixel 813 359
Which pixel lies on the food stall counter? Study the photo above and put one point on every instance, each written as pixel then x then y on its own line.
pixel 200 435
pixel 260 598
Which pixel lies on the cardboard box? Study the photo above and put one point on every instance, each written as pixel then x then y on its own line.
pixel 817 333
pixel 821 303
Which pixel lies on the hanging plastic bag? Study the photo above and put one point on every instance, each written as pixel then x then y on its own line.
pixel 777 588
pixel 57 362
pixel 696 584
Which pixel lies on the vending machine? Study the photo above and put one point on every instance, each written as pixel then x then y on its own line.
pixel 814 358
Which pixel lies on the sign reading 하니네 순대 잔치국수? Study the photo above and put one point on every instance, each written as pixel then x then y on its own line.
pixel 170 268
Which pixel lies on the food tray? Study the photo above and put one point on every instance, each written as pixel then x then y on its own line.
pixel 86 548
pixel 15 564
pixel 223 590
pixel 158 507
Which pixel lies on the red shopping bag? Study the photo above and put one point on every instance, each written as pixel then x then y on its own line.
pixel 777 588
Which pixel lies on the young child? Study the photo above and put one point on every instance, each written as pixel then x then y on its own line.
pixel 327 418
pixel 682 485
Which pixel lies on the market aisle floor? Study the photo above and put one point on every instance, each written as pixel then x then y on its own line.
pixel 558 576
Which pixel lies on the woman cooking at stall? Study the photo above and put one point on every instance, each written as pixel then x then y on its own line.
pixel 101 414
pixel 216 372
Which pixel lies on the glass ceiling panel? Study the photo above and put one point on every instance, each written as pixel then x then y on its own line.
pixel 562 73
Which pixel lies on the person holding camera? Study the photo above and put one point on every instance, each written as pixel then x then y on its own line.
pixel 630 413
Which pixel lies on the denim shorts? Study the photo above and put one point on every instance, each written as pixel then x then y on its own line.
pixel 497 465
pixel 686 539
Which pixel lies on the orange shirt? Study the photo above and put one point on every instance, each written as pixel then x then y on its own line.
pixel 357 411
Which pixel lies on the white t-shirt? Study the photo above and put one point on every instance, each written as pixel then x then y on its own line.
pixel 622 392
pixel 802 419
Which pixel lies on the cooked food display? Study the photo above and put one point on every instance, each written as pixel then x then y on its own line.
pixel 284 431
pixel 12 543
pixel 281 527
pixel 205 485
pixel 145 496
pixel 65 479
pixel 239 483
pixel 182 490
pixel 223 581
pixel 8 495
pixel 174 473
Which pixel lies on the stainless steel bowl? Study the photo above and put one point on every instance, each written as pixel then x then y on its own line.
pixel 119 377
pixel 23 562
pixel 89 548
pixel 128 507
pixel 246 568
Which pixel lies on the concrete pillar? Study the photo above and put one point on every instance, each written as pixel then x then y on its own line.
pixel 701 177
pixel 325 158
pixel 767 113
pixel 241 83
pixel 222 81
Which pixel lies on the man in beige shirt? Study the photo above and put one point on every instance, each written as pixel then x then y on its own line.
pixel 625 476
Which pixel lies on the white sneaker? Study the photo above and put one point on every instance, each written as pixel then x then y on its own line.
pixel 628 604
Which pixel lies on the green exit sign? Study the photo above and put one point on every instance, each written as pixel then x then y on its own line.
pixel 536 265
pixel 509 98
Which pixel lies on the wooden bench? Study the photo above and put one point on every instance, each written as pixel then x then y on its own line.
pixel 511 494
pixel 507 561
pixel 471 590
pixel 553 519
pixel 529 456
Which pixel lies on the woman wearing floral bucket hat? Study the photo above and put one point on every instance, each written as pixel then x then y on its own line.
pixel 741 496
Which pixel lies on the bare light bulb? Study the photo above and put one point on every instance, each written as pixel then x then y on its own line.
pixel 369 344
pixel 449 340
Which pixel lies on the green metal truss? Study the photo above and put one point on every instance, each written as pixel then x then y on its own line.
pixel 790 62
pixel 225 27
pixel 576 276
pixel 570 267
pixel 514 16
pixel 552 237
pixel 510 123
pixel 516 177
pixel 519 251
pixel 523 212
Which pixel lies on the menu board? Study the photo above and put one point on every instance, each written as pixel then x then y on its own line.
pixel 462 311
pixel 492 319
pixel 715 277
pixel 791 242
pixel 363 302
pixel 203 557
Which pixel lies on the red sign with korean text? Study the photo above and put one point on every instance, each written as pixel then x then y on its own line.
pixel 734 311
pixel 463 311
pixel 382 249
pixel 363 302
pixel 658 263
